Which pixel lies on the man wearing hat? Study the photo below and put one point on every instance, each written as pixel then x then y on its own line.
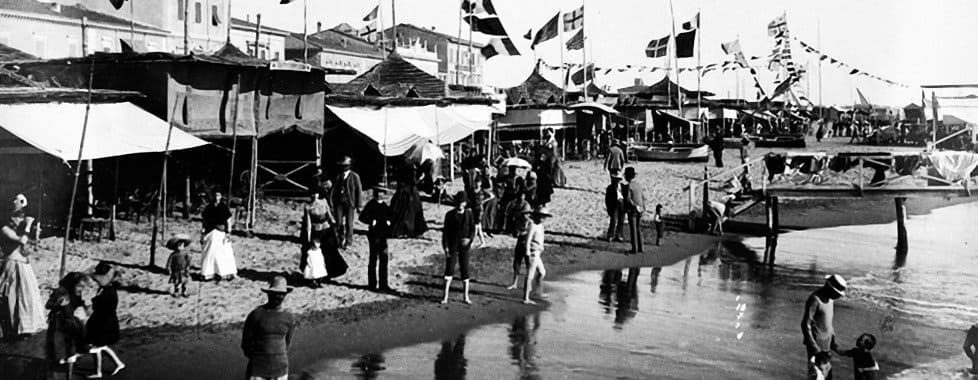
pixel 816 324
pixel 457 234
pixel 377 216
pixel 614 200
pixel 616 159
pixel 635 207
pixel 268 331
pixel 345 197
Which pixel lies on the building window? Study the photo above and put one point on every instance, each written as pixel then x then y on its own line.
pixel 214 14
pixel 197 13
pixel 181 9
pixel 277 56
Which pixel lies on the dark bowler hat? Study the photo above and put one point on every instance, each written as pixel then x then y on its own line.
pixel 345 162
pixel 460 197
pixel 629 171
pixel 278 285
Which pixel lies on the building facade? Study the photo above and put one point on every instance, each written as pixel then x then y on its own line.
pixel 270 44
pixel 455 63
pixel 51 30
pixel 206 22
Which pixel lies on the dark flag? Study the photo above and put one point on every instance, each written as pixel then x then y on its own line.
pixel 285 1
pixel 499 46
pixel 692 24
pixel 478 6
pixel 578 77
pixel 528 35
pixel 576 42
pixel 372 15
pixel 117 4
pixel 685 43
pixel 548 32
pixel 854 72
pixel 574 20
pixel 489 25
pixel 657 48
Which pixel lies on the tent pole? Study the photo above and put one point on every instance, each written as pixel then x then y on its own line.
pixel 458 50
pixel 78 164
pixel 234 134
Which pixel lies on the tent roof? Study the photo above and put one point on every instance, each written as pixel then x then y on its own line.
pixel 395 76
pixel 374 101
pixel 9 54
pixel 665 87
pixel 535 89
pixel 25 95
pixel 397 129
pixel 114 129
pixel 954 120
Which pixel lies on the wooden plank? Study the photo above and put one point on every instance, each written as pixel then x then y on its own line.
pixel 871 193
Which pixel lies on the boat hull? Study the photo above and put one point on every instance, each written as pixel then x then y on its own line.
pixel 779 141
pixel 677 152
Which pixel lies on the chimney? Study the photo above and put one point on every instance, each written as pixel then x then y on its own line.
pixel 639 82
pixel 248 17
pixel 432 27
pixel 319 26
pixel 56 7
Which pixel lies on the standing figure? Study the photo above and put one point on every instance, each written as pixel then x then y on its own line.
pixel 456 239
pixel 544 168
pixel 407 213
pixel 716 145
pixel 376 215
pixel 971 347
pixel 319 224
pixel 102 328
pixel 21 306
pixel 550 141
pixel 312 263
pixel 346 201
pixel 178 264
pixel 659 224
pixel 69 307
pixel 634 206
pixel 534 251
pixel 218 259
pixel 267 334
pixel 482 196
pixel 817 330
pixel 864 365
pixel 616 159
pixel 614 201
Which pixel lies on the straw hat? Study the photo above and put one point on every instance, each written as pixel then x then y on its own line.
pixel 278 285
pixel 176 240
pixel 837 283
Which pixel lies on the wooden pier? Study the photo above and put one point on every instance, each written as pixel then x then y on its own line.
pixel 864 176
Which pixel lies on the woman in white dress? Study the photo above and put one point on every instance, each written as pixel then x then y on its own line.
pixel 218 259
pixel 21 306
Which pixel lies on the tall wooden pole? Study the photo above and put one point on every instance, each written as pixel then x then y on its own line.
pixel 132 24
pixel 563 66
pixel 583 51
pixel 305 33
pixel 394 22
pixel 257 34
pixel 227 39
pixel 821 106
pixel 84 37
pixel 674 55
pixel 933 106
pixel 234 134
pixel 186 26
pixel 458 48
pixel 699 73
pixel 78 165
pixel 471 57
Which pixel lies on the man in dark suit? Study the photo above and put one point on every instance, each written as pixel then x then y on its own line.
pixel 376 215
pixel 457 234
pixel 634 206
pixel 614 198
pixel 616 159
pixel 345 198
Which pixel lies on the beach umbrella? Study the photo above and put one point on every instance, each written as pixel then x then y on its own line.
pixel 424 151
pixel 517 162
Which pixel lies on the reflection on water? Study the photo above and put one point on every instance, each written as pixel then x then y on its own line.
pixel 723 314
pixel 450 362
pixel 523 343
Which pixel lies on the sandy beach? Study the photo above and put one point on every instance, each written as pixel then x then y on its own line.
pixel 205 326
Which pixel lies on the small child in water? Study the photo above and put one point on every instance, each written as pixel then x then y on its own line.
pixel 863 363
pixel 822 366
pixel 178 264
pixel 659 224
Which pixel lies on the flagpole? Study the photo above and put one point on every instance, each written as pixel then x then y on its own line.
pixel 699 73
pixel 821 105
pixel 305 33
pixel 227 41
pixel 583 50
pixel 471 59
pixel 679 92
pixel 458 50
pixel 380 31
pixel 132 25
pixel 563 66
pixel 394 22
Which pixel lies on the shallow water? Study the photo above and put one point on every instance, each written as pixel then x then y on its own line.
pixel 720 315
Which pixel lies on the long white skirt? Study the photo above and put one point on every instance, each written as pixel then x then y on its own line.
pixel 315 265
pixel 21 297
pixel 218 256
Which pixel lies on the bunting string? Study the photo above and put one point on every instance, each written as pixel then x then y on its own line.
pixel 846 67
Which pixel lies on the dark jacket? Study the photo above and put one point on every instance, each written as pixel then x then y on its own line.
pixel 611 201
pixel 616 158
pixel 457 227
pixel 265 341
pixel 376 215
pixel 215 216
pixel 346 191
pixel 635 197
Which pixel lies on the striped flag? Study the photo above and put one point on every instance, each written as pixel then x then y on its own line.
pixel 778 25
pixel 478 7
pixel 576 42
pixel 500 46
pixel 574 20
pixel 657 48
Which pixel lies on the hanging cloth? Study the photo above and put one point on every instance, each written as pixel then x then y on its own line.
pixel 954 166
pixel 906 165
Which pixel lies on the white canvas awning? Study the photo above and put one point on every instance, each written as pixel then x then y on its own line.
pixel 555 118
pixel 397 129
pixel 114 129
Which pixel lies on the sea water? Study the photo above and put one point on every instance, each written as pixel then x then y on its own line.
pixel 722 314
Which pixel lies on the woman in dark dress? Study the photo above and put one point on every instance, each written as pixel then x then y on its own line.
pixel 545 182
pixel 102 328
pixel 318 223
pixel 407 214
pixel 68 310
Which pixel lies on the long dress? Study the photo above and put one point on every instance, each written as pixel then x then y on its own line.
pixel 407 215
pixel 22 310
pixel 102 328
pixel 218 255
pixel 66 333
pixel 319 221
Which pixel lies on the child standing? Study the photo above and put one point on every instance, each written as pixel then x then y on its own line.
pixel 178 264
pixel 376 215
pixel 659 224
pixel 863 363
pixel 821 366
pixel 534 250
pixel 313 264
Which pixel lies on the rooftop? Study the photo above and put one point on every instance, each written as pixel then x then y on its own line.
pixel 248 25
pixel 73 12
pixel 9 54
pixel 450 38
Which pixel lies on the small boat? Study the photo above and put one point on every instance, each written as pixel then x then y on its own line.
pixel 671 152
pixel 778 140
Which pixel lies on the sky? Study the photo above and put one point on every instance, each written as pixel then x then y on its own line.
pixel 908 41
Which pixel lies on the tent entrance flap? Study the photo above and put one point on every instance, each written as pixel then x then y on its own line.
pixel 114 129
